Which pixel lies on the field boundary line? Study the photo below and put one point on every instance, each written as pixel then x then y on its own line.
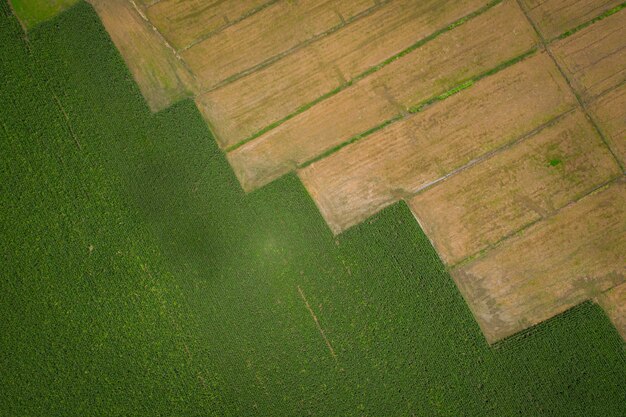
pixel 67 119
pixel 164 41
pixel 579 99
pixel 152 3
pixel 302 45
pixel 317 323
pixel 423 105
pixel 42 81
pixel 362 75
pixel 606 91
pixel 496 151
pixel 244 16
pixel 22 24
pixel 501 241
pixel 582 26
pixel 537 328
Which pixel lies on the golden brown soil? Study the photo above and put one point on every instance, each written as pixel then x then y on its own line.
pixel 397 161
pixel 532 179
pixel 145 3
pixel 183 22
pixel 550 267
pixel 610 112
pixel 594 59
pixel 239 109
pixel 162 78
pixel 273 31
pixel 498 35
pixel 554 17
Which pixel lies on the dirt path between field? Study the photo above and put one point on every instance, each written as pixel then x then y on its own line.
pixel 317 323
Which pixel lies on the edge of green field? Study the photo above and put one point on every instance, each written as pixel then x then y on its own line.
pixel 32 12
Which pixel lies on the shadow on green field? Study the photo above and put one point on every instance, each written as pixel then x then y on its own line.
pixel 139 279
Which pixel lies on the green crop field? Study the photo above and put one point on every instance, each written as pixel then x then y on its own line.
pixel 33 12
pixel 138 279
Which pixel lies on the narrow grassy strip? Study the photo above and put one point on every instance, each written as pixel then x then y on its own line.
pixel 589 23
pixel 366 73
pixel 421 106
pixel 301 109
pixel 353 139
pixel 427 39
pixel 467 84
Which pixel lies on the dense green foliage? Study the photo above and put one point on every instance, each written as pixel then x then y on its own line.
pixel 32 12
pixel 138 279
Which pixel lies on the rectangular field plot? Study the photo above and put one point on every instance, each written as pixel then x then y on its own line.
pixel 522 184
pixel 594 59
pixel 552 266
pixel 554 17
pixel 272 31
pixel 614 304
pixel 500 34
pixel 239 109
pixel 160 75
pixel 610 113
pixel 397 161
pixel 184 21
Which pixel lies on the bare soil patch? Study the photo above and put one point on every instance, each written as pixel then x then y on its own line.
pixel 184 21
pixel 552 266
pixel 516 187
pixel 240 109
pixel 271 32
pixel 496 36
pixel 397 161
pixel 594 59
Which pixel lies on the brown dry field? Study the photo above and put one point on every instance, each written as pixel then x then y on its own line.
pixel 496 36
pixel 238 110
pixel 529 181
pixel 145 3
pixel 184 21
pixel 395 162
pixel 610 113
pixel 161 77
pixel 594 59
pixel 271 32
pixel 614 304
pixel 549 267
pixel 554 17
